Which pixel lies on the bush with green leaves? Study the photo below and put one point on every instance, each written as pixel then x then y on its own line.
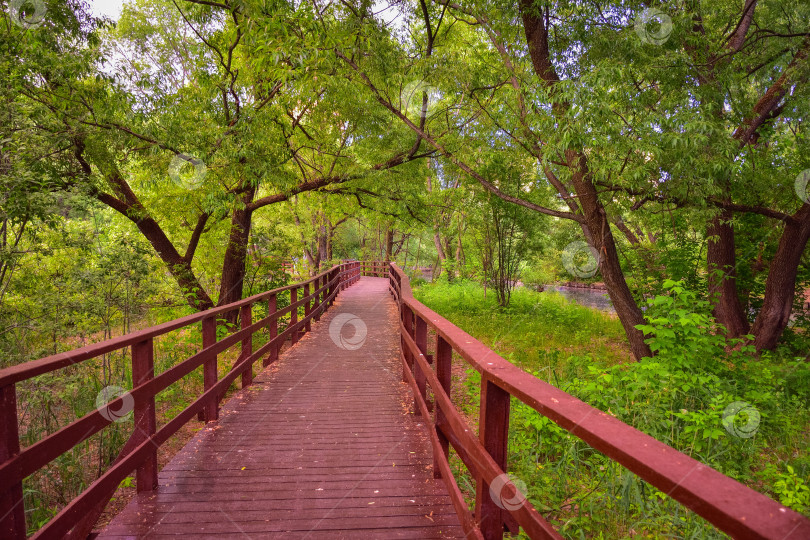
pixel 684 396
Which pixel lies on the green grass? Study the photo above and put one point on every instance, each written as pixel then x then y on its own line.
pixel 537 331
pixel 677 397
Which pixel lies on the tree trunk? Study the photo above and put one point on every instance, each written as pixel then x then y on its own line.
pixel 178 265
pixel 625 230
pixel 389 243
pixel 780 287
pixel 407 240
pixel 460 256
pixel 323 243
pixel 233 264
pixel 597 229
pixel 418 253
pixel 595 225
pixel 323 240
pixel 440 256
pixel 721 259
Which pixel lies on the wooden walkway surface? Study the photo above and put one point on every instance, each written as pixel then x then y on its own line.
pixel 322 445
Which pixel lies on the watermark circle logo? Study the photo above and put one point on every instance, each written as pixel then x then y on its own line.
pixel 741 419
pixel 27 13
pixel 412 95
pixel 186 171
pixel 653 26
pixel 110 393
pixel 507 492
pixel 337 333
pixel 580 259
pixel 801 185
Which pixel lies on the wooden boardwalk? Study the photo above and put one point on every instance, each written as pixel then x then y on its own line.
pixel 322 445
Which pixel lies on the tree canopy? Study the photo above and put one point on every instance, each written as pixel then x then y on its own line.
pixel 668 140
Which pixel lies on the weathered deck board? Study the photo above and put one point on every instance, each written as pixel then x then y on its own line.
pixel 321 446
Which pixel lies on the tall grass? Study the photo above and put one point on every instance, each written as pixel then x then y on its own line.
pixel 676 399
pixel 537 331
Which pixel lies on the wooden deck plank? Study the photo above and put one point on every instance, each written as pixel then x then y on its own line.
pixel 321 446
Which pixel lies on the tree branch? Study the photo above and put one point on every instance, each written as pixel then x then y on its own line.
pixel 449 155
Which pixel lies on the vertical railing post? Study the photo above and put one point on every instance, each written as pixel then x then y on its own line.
pixel 444 359
pixel 420 337
pixel 319 282
pixel 294 314
pixel 246 318
pixel 493 430
pixel 12 511
pixel 143 370
pixel 407 321
pixel 209 338
pixel 307 309
pixel 272 304
pixel 336 285
pixel 332 284
pixel 404 348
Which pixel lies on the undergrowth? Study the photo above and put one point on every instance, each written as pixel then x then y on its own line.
pixel 707 396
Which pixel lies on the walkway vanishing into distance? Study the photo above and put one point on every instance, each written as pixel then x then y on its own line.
pixel 327 441
pixel 322 445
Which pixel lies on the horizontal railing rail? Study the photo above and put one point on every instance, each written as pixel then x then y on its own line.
pixel 139 453
pixel 729 505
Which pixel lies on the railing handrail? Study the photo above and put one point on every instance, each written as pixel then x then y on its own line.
pixel 731 506
pixel 140 452
pixel 57 361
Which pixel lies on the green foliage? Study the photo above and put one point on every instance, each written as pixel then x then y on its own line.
pixel 681 397
pixel 275 99
pixel 682 329
pixel 789 487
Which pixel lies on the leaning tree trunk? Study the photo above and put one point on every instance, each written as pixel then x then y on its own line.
pixel 595 223
pixel 721 261
pixel 780 288
pixel 179 266
pixel 233 264
pixel 597 229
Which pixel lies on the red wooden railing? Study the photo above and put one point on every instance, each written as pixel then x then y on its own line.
pixel 732 507
pixel 140 452
pixel 729 505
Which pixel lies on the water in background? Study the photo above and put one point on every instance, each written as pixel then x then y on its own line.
pixel 593 298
